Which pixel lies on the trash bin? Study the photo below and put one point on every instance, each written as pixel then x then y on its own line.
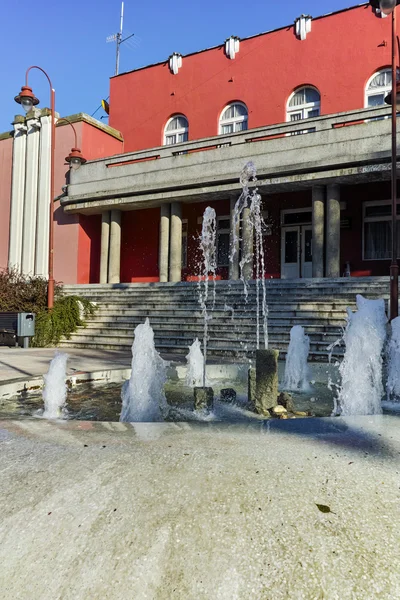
pixel 26 327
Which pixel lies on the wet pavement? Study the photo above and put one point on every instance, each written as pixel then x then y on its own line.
pixel 302 509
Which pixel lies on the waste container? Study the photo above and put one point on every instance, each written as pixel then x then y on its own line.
pixel 26 327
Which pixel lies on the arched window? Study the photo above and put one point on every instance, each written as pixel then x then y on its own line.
pixel 304 103
pixel 176 130
pixel 233 118
pixel 378 88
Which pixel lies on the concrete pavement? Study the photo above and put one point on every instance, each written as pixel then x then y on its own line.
pixel 175 511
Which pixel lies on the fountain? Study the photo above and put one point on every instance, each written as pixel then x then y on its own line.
pixel 195 365
pixel 361 370
pixel 143 397
pixel 393 370
pixel 252 201
pixel 55 388
pixel 208 245
pixel 296 367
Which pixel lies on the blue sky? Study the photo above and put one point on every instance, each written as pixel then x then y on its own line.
pixel 68 40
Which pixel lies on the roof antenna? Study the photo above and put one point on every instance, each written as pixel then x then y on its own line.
pixel 117 37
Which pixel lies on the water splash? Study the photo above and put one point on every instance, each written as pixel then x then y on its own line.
pixel 297 373
pixel 252 200
pixel 55 388
pixel 208 247
pixel 143 397
pixel 195 365
pixel 258 226
pixel 393 374
pixel 361 370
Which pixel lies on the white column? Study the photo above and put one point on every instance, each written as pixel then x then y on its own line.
pixel 333 231
pixel 105 246
pixel 43 201
pixel 318 210
pixel 114 261
pixel 175 265
pixel 17 195
pixel 163 261
pixel 30 200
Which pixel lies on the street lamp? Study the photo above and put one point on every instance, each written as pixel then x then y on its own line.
pixel 28 100
pixel 388 7
pixel 75 158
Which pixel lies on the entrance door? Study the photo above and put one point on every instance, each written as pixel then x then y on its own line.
pixel 290 252
pixel 306 251
pixel 296 253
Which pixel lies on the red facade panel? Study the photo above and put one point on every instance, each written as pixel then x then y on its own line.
pixel 338 57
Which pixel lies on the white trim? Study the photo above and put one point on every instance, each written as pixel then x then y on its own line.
pixel 232 46
pixel 175 132
pixel 305 108
pixel 303 26
pixel 382 90
pixel 294 210
pixel 175 62
pixel 375 220
pixel 232 120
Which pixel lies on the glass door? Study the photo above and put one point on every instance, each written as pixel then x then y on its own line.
pixel 290 253
pixel 306 251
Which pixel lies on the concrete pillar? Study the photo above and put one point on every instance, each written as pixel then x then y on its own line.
pixel 17 194
pixel 234 244
pixel 175 263
pixel 318 207
pixel 43 200
pixel 163 257
pixel 266 380
pixel 203 398
pixel 30 199
pixel 248 245
pixel 105 245
pixel 332 231
pixel 114 262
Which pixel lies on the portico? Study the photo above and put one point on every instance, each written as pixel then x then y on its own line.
pixel 301 179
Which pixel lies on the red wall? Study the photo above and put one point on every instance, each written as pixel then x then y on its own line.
pixel 351 239
pixel 77 237
pixel 5 195
pixel 338 57
pixel 139 245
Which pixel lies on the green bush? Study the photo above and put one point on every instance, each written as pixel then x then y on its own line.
pixel 29 294
pixel 69 312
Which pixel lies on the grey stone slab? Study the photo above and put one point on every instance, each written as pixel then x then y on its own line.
pixel 133 511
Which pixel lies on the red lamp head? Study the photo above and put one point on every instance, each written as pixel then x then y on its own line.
pixel 75 158
pixel 26 98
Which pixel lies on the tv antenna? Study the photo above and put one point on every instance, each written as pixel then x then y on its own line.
pixel 117 37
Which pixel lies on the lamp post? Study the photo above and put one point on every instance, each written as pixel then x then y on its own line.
pixel 75 158
pixel 28 100
pixel 388 7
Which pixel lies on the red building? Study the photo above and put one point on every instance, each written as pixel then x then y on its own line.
pixel 304 102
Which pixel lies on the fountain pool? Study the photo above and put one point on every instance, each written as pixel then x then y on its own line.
pixel 100 401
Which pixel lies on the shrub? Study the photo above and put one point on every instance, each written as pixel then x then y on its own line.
pixel 19 293
pixel 69 312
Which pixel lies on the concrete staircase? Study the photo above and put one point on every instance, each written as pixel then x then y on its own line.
pixel 319 305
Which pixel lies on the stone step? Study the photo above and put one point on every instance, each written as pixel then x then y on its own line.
pixel 198 325
pixel 214 331
pixel 180 351
pixel 185 339
pixel 184 313
pixel 220 306
pixel 239 320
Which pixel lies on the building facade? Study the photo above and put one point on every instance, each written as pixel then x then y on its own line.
pixel 305 103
